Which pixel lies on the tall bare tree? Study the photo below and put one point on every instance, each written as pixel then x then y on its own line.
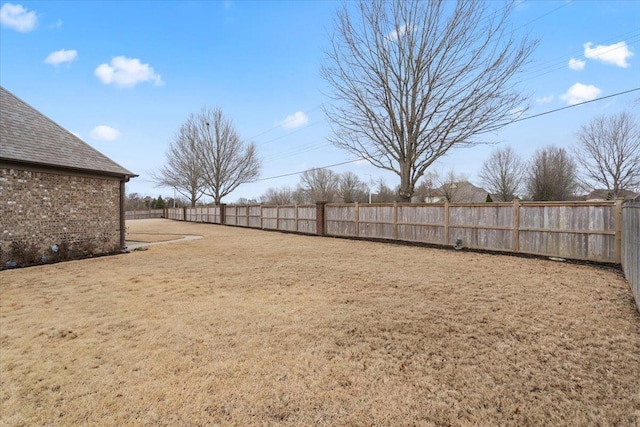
pixel 412 79
pixel 320 185
pixel 183 169
pixel 502 174
pixel 551 175
pixel 277 196
pixel 225 159
pixel 608 151
pixel 352 189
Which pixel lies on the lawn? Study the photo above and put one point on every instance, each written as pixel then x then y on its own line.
pixel 247 327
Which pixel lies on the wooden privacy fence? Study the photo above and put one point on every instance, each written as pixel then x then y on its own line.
pixel 577 230
pixel 631 247
pixel 144 214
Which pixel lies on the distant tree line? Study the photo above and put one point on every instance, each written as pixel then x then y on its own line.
pixel 606 156
pixel 136 202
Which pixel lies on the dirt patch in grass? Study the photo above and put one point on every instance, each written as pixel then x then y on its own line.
pixel 245 327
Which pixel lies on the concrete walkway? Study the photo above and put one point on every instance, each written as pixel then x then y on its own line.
pixel 132 244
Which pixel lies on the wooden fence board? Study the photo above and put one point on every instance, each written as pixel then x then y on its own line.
pixel 577 230
pixel 421 233
pixel 630 228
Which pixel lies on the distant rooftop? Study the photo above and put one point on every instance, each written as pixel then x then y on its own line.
pixel 27 136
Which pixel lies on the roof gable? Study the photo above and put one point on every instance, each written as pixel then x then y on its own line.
pixel 28 136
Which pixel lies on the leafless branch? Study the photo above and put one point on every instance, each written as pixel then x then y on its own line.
pixel 411 80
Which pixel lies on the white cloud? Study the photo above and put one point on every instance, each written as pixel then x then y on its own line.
pixel 61 56
pixel 396 34
pixel 614 54
pixel 544 99
pixel 18 18
pixel 577 64
pixel 580 93
pixel 127 72
pixel 56 26
pixel 104 133
pixel 294 120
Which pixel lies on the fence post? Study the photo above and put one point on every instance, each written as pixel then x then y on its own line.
pixel 446 222
pixel 184 213
pixel 261 216
pixel 295 207
pixel 516 225
pixel 618 225
pixel 395 220
pixel 247 209
pixel 320 222
pixel 277 217
pixel 223 212
pixel 357 218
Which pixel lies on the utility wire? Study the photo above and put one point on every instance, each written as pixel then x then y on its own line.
pixel 309 170
pixel 514 121
pixel 320 105
pixel 574 105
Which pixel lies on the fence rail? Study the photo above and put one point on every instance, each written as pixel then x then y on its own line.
pixel 631 247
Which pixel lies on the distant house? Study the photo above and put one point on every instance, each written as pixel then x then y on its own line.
pixel 457 192
pixel 606 195
pixel 54 188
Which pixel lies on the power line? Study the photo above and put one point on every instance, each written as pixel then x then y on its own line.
pixel 541 70
pixel 574 105
pixel 562 63
pixel 311 169
pixel 320 105
pixel 514 121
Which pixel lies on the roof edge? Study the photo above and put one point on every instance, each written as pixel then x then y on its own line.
pixel 48 166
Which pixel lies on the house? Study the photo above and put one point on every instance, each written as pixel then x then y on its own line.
pixel 457 192
pixel 56 191
pixel 606 195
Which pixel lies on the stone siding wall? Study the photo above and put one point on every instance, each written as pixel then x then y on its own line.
pixel 46 209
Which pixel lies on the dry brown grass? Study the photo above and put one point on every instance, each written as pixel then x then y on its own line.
pixel 246 327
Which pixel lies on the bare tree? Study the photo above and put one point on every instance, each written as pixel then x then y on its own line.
pixel 134 201
pixel 425 190
pixel 320 185
pixel 183 169
pixel 300 197
pixel 551 175
pixel 412 79
pixel 351 189
pixel 277 196
pixel 609 152
pixel 502 174
pixel 225 159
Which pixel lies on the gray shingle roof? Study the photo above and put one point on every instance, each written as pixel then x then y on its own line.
pixel 28 136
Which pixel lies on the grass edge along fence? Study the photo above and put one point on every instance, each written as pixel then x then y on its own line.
pixel 631 247
pixel 599 231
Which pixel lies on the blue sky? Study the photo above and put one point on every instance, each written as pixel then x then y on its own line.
pixel 125 75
